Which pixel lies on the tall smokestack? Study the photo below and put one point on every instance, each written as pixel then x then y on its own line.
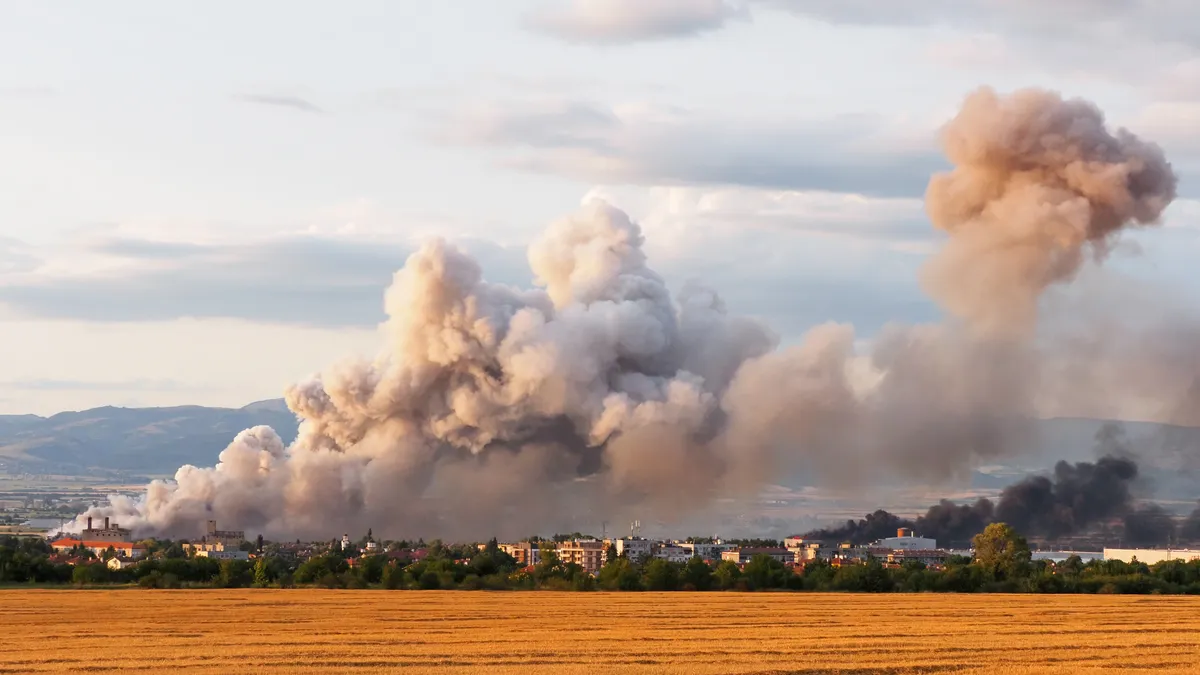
pixel 89 523
pixel 106 522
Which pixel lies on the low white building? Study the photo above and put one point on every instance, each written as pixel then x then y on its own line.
pixel 1151 555
pixel 120 563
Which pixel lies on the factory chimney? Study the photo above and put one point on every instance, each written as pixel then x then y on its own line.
pixel 89 522
pixel 106 522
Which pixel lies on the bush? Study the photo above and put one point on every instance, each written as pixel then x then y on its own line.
pixel 331 580
pixel 151 580
pixel 393 577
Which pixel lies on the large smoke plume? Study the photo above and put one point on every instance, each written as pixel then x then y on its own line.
pixel 500 410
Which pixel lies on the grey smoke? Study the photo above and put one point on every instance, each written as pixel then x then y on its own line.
pixel 499 410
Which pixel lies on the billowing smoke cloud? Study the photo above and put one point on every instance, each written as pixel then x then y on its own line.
pixel 955 524
pixel 1077 496
pixel 495 410
pixel 1039 182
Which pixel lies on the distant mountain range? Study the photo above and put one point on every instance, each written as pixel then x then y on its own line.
pixel 139 442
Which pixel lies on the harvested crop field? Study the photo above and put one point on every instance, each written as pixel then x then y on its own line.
pixel 311 631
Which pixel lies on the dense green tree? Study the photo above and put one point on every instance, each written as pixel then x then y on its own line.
pixel 697 575
pixel 817 575
pixel 661 575
pixel 91 573
pixel 318 567
pixel 370 568
pixel 235 574
pixel 1001 553
pixel 262 577
pixel 620 574
pixel 726 575
pixel 1072 566
pixel 429 581
pixel 867 577
pixel 393 576
pixel 764 571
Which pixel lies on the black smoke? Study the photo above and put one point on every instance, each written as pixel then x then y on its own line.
pixel 871 527
pixel 953 525
pixel 1077 496
pixel 1189 529
pixel 1073 499
pixel 1149 525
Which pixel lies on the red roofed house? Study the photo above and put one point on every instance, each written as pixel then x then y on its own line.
pixel 124 549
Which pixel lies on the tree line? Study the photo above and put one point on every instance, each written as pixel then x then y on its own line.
pixel 1002 563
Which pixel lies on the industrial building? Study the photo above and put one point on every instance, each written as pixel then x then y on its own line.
pixel 216 541
pixel 110 532
pixel 905 540
pixel 1151 556
pixel 99 540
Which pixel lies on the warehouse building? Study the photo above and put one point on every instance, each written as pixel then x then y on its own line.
pixel 1151 555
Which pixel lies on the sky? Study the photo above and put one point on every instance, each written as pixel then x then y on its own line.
pixel 204 201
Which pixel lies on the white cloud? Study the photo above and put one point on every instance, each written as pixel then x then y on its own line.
pixel 654 145
pixel 1172 124
pixel 625 21
pixel 298 279
pixel 1110 21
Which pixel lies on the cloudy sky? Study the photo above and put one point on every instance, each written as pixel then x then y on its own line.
pixel 204 201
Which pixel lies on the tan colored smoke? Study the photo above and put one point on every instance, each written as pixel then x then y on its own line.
pixel 495 410
pixel 1038 184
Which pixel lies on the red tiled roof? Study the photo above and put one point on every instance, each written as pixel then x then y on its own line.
pixel 119 545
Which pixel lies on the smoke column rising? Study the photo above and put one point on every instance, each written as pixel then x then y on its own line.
pixel 494 410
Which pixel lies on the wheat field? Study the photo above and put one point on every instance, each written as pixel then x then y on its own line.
pixel 328 632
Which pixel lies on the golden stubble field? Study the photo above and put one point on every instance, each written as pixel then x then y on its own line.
pixel 327 632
